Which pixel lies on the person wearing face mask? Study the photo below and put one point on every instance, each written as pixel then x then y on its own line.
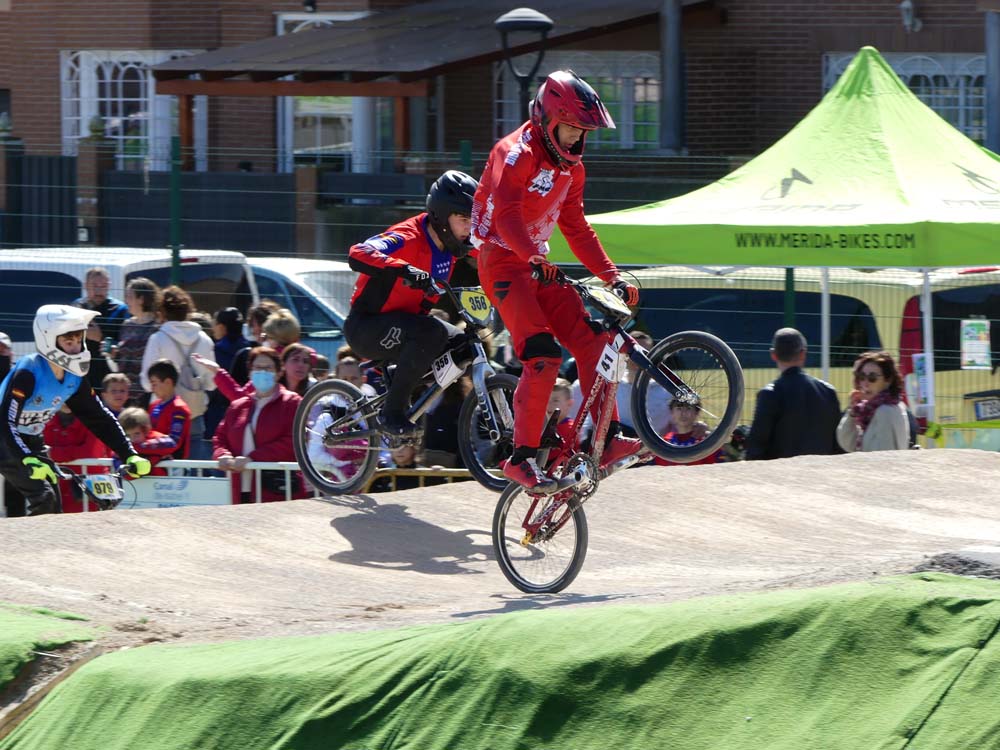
pixel 258 427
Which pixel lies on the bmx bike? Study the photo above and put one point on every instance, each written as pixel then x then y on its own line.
pixel 337 433
pixel 540 541
pixel 106 490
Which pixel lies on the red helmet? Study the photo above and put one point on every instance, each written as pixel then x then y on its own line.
pixel 566 98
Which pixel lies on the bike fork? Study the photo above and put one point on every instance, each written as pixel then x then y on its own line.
pixel 486 405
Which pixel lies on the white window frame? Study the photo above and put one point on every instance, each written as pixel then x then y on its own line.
pixel 956 72
pixel 291 23
pixel 601 69
pixel 80 74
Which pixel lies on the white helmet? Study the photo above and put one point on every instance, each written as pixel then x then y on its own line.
pixel 52 321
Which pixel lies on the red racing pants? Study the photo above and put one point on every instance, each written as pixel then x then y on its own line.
pixel 537 315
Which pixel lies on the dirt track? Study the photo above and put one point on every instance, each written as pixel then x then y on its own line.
pixel 657 534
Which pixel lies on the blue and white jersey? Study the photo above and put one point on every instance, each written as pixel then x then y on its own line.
pixel 31 394
pixel 47 397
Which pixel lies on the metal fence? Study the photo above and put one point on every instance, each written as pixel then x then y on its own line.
pixel 316 213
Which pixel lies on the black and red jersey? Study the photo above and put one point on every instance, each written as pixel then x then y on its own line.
pixel 522 196
pixel 380 259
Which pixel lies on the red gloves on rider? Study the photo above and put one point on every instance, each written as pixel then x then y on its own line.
pixel 628 292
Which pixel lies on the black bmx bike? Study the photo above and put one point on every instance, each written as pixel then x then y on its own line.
pixel 337 434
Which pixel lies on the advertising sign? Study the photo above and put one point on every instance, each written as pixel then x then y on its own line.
pixel 175 492
pixel 975 338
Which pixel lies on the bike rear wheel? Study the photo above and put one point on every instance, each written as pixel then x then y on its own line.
pixel 706 366
pixel 345 466
pixel 548 563
pixel 481 454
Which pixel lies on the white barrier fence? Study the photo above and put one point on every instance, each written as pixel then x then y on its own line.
pixel 178 489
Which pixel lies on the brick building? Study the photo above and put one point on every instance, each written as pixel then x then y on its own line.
pixel 753 68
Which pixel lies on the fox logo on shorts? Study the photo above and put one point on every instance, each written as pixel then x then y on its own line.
pixel 392 339
pixel 542 183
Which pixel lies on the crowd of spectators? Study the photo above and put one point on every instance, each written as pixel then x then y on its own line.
pixel 187 385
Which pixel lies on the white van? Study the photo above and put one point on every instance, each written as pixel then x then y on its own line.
pixel 31 277
pixel 317 291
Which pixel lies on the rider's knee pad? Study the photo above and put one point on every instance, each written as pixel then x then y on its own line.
pixel 42 503
pixel 540 346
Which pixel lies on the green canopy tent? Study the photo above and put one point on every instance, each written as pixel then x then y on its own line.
pixel 871 177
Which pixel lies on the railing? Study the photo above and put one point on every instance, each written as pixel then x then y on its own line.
pixel 178 488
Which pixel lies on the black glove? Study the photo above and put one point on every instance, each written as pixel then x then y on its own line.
pixel 416 278
pixel 546 272
pixel 628 292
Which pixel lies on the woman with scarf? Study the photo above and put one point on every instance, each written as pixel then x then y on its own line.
pixel 877 419
pixel 258 427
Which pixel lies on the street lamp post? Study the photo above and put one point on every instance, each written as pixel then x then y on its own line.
pixel 523 20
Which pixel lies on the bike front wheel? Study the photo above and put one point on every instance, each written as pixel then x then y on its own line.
pixel 482 453
pixel 704 365
pixel 334 445
pixel 539 561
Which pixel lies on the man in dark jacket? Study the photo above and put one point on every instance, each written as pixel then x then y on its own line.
pixel 797 414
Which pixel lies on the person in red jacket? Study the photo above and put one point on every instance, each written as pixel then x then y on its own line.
pixel 533 181
pixel 389 308
pixel 258 427
pixel 69 440
pixel 151 444
pixel 169 413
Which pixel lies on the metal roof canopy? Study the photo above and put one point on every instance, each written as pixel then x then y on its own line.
pixel 407 46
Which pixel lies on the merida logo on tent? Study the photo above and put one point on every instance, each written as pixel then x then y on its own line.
pixel 980 183
pixel 786 185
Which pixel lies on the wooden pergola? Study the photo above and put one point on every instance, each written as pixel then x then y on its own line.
pixel 391 54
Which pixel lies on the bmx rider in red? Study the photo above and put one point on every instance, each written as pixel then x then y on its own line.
pixel 533 181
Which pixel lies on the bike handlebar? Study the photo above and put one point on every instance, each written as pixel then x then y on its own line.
pixel 562 278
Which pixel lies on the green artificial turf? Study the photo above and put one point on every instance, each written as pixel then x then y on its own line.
pixel 24 631
pixel 905 662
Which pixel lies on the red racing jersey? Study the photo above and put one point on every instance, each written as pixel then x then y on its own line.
pixel 379 259
pixel 523 196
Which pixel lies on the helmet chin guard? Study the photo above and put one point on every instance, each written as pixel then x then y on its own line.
pixel 53 321
pixel 566 98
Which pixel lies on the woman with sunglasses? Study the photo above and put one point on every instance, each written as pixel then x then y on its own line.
pixel 877 419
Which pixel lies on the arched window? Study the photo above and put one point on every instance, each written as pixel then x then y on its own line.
pixel 114 92
pixel 627 82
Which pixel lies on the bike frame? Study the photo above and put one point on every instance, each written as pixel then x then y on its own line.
pixel 479 370
pixel 608 373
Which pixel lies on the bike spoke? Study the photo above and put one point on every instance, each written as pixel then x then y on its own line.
pixel 551 552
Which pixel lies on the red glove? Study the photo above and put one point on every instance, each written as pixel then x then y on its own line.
pixel 628 293
pixel 544 271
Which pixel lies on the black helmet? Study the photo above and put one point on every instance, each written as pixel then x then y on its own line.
pixel 451 193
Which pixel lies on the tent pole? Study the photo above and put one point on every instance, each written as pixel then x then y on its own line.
pixel 993 80
pixel 926 302
pixel 790 297
pixel 824 321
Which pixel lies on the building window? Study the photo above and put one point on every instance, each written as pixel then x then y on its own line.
pixel 953 85
pixel 117 86
pixel 627 82
pixel 313 128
